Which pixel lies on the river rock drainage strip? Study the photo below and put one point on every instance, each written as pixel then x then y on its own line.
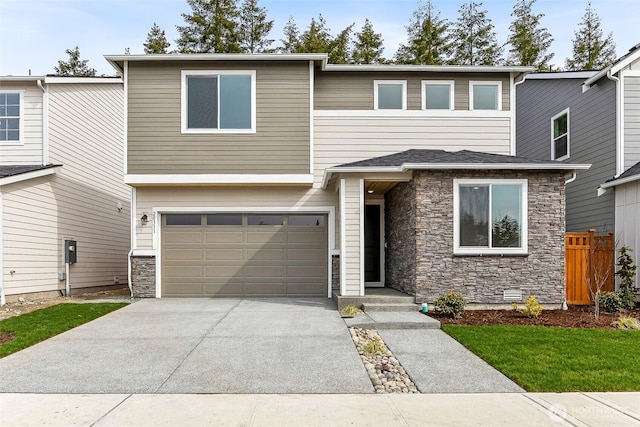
pixel 385 372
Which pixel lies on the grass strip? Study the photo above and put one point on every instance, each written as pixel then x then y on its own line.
pixel 542 359
pixel 31 328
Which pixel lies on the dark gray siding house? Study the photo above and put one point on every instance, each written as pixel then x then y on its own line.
pixel 556 120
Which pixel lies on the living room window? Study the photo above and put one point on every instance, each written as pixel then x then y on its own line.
pixel 390 95
pixel 490 216
pixel 218 101
pixel 437 94
pixel 10 117
pixel 560 136
pixel 485 95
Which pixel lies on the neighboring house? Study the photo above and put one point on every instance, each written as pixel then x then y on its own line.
pixel 267 175
pixel 61 154
pixel 589 117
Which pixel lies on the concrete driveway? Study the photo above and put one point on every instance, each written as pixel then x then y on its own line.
pixel 279 345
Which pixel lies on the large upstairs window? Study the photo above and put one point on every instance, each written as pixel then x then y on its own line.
pixel 218 101
pixel 560 136
pixel 10 117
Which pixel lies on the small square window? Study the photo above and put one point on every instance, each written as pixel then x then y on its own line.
pixel 10 120
pixel 265 220
pixel 560 136
pixel 224 219
pixel 437 95
pixel 306 220
pixel 390 94
pixel 183 219
pixel 485 95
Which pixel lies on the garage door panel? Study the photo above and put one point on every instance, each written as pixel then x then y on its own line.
pixel 228 289
pixel 186 289
pixel 220 237
pixel 264 272
pixel 262 289
pixel 266 236
pixel 224 271
pixel 306 272
pixel 266 254
pixel 307 236
pixel 224 254
pixel 311 255
pixel 187 271
pixel 304 289
pixel 182 254
pixel 185 236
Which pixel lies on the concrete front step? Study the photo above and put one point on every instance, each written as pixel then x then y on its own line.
pixel 386 306
pixel 392 320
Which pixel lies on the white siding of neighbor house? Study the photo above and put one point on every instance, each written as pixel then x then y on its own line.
pixel 631 121
pixel 627 214
pixel 80 202
pixel 351 275
pixel 29 152
pixel 343 138
pixel 210 198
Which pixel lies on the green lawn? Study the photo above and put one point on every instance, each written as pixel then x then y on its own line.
pixel 556 359
pixel 31 328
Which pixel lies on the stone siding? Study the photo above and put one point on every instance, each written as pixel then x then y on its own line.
pixel 481 279
pixel 335 272
pixel 143 276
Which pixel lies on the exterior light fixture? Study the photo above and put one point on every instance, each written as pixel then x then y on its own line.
pixel 144 219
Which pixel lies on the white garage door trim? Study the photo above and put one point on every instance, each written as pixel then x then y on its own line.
pixel 330 211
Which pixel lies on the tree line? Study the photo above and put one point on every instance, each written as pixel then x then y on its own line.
pixel 242 26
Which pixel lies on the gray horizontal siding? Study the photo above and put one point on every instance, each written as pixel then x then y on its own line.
pixel 592 133
pixel 631 121
pixel 280 144
pixel 354 91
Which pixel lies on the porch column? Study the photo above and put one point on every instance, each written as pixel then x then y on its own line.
pixel 352 236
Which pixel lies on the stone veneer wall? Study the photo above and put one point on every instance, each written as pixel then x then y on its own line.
pixel 335 272
pixel 480 279
pixel 400 238
pixel 143 276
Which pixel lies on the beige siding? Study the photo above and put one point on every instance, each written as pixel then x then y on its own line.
pixel 631 121
pixel 30 151
pixel 81 201
pixel 351 276
pixel 627 214
pixel 210 198
pixel 280 144
pixel 340 139
pixel 354 91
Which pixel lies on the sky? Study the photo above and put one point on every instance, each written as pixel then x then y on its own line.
pixel 34 34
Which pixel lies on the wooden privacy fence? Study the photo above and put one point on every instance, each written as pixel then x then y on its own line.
pixel 589 262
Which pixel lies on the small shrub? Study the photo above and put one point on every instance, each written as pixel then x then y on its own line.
pixel 610 302
pixel 627 322
pixel 532 308
pixel 374 347
pixel 350 310
pixel 451 304
pixel 627 273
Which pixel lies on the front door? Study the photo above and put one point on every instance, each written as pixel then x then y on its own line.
pixel 373 245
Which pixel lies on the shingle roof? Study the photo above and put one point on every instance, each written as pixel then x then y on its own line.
pixel 13 170
pixel 632 171
pixel 417 156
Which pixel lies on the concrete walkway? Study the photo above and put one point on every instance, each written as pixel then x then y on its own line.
pixel 513 409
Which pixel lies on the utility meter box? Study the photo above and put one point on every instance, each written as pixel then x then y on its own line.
pixel 70 251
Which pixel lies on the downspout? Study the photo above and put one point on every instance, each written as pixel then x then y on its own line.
pixel 45 124
pixel 513 145
pixel 2 297
pixel 619 135
pixel 573 178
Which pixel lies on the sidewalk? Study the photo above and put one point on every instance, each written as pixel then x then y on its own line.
pixel 496 409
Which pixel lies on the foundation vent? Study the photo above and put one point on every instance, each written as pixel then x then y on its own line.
pixel 512 295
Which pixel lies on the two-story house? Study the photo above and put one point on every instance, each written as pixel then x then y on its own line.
pixel 61 154
pixel 589 117
pixel 282 175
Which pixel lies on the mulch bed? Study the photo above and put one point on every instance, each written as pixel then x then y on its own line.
pixel 575 317
pixel 5 337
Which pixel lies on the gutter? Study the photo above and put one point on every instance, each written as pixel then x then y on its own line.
pixel 45 123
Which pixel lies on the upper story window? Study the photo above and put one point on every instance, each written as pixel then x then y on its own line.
pixel 218 101
pixel 390 94
pixel 560 136
pixel 490 216
pixel 10 120
pixel 485 95
pixel 437 94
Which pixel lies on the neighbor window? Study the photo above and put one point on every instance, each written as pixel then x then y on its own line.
pixel 218 101
pixel 560 136
pixel 390 94
pixel 485 95
pixel 10 117
pixel 490 216
pixel 437 95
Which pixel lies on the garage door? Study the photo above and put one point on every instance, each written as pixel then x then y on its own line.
pixel 244 255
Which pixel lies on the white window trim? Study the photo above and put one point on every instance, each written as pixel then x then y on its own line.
pixel 553 139
pixel 473 83
pixel 465 250
pixel 21 115
pixel 376 83
pixel 450 83
pixel 183 100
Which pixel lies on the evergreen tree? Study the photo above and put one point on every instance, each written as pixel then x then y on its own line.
pixel 590 50
pixel 212 27
pixel 340 47
pixel 317 38
pixel 368 46
pixel 529 42
pixel 427 38
pixel 474 41
pixel 156 41
pixel 74 66
pixel 291 41
pixel 254 27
